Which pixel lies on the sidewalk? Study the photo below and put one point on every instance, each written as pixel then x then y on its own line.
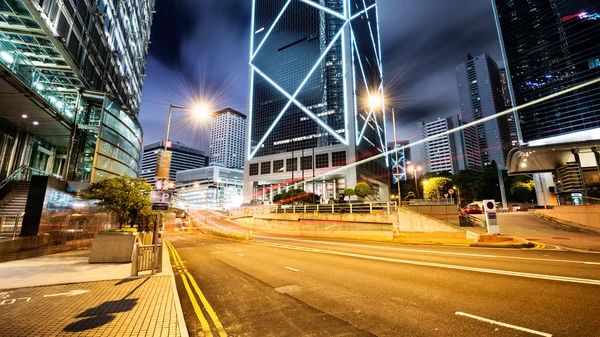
pixel 64 295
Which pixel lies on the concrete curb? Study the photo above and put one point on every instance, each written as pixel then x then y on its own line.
pixel 180 318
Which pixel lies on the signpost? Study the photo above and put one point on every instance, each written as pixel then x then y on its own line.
pixel 491 218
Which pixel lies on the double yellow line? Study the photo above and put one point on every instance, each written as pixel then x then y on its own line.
pixel 188 280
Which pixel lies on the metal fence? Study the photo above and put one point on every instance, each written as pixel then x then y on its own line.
pixel 363 207
pixel 146 258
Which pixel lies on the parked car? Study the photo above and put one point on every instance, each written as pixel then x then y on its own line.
pixel 473 209
pixel 516 208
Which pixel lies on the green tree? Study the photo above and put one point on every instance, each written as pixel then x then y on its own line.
pixel 362 190
pixel 128 199
pixel 348 192
pixel 522 189
pixel 436 187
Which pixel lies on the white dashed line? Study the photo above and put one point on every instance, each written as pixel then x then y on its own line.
pixel 292 269
pixel 535 332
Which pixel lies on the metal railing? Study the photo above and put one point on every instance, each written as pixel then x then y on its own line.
pixel 362 207
pixel 146 258
pixel 24 173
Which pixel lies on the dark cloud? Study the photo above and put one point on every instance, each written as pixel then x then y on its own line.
pixel 200 47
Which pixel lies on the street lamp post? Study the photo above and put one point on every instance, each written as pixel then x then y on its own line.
pixel 457 196
pixel 376 101
pixel 200 111
pixel 414 170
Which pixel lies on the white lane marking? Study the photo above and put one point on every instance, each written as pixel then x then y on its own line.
pixel 441 265
pixel 292 269
pixel 70 293
pixel 241 254
pixel 432 251
pixel 535 332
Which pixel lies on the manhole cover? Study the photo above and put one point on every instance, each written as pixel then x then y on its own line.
pixel 288 289
pixel 560 238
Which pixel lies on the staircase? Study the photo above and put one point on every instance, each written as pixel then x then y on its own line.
pixel 13 198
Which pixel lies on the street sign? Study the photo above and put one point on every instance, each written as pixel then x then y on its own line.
pixel 160 207
pixel 491 219
pixel 158 197
pixel 451 191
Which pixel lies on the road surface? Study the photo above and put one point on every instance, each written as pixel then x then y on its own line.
pixel 276 286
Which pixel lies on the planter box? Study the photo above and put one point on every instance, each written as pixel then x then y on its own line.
pixel 112 247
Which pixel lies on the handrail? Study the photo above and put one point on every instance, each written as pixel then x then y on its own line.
pixel 24 168
pixel 12 176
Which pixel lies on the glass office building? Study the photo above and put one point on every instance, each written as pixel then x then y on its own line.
pixel 314 68
pixel 549 46
pixel 72 74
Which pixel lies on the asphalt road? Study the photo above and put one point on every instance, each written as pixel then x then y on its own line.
pixel 298 287
pixel 531 227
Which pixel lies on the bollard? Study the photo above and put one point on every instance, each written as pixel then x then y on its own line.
pixel 15 228
pixel 250 235
pixel 134 260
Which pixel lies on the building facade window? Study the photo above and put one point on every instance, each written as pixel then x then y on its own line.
pixel 306 163
pixel 322 160
pixel 338 158
pixel 265 167
pixel 278 166
pixel 291 164
pixel 253 169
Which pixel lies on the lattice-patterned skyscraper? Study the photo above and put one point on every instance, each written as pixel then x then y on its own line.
pixel 315 66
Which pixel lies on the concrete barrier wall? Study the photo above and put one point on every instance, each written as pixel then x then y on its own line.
pixel 588 215
pixel 443 212
pixel 354 226
pixel 287 224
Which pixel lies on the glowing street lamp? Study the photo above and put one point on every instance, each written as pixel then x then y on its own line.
pixel 377 102
pixel 200 111
pixel 414 170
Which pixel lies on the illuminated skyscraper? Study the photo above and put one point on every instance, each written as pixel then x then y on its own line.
pixel 315 66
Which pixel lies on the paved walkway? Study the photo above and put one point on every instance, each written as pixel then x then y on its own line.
pixel 531 227
pixel 63 295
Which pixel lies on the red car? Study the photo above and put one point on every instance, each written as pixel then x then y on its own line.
pixel 473 209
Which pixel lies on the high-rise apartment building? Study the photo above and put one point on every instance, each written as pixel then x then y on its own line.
pixel 512 125
pixel 480 94
pixel 453 152
pixel 228 138
pixel 71 77
pixel 315 67
pixel 183 157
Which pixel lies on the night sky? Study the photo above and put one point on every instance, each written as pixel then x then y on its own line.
pixel 199 52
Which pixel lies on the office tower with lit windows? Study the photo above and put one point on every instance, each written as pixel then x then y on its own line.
pixel 71 76
pixel 480 94
pixel 549 46
pixel 79 66
pixel 512 125
pixel 183 158
pixel 315 66
pixel 228 138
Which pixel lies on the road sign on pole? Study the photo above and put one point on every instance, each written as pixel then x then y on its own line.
pixel 159 197
pixel 451 191
pixel 490 216
pixel 160 207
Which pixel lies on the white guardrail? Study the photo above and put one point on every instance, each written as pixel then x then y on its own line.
pixel 363 207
